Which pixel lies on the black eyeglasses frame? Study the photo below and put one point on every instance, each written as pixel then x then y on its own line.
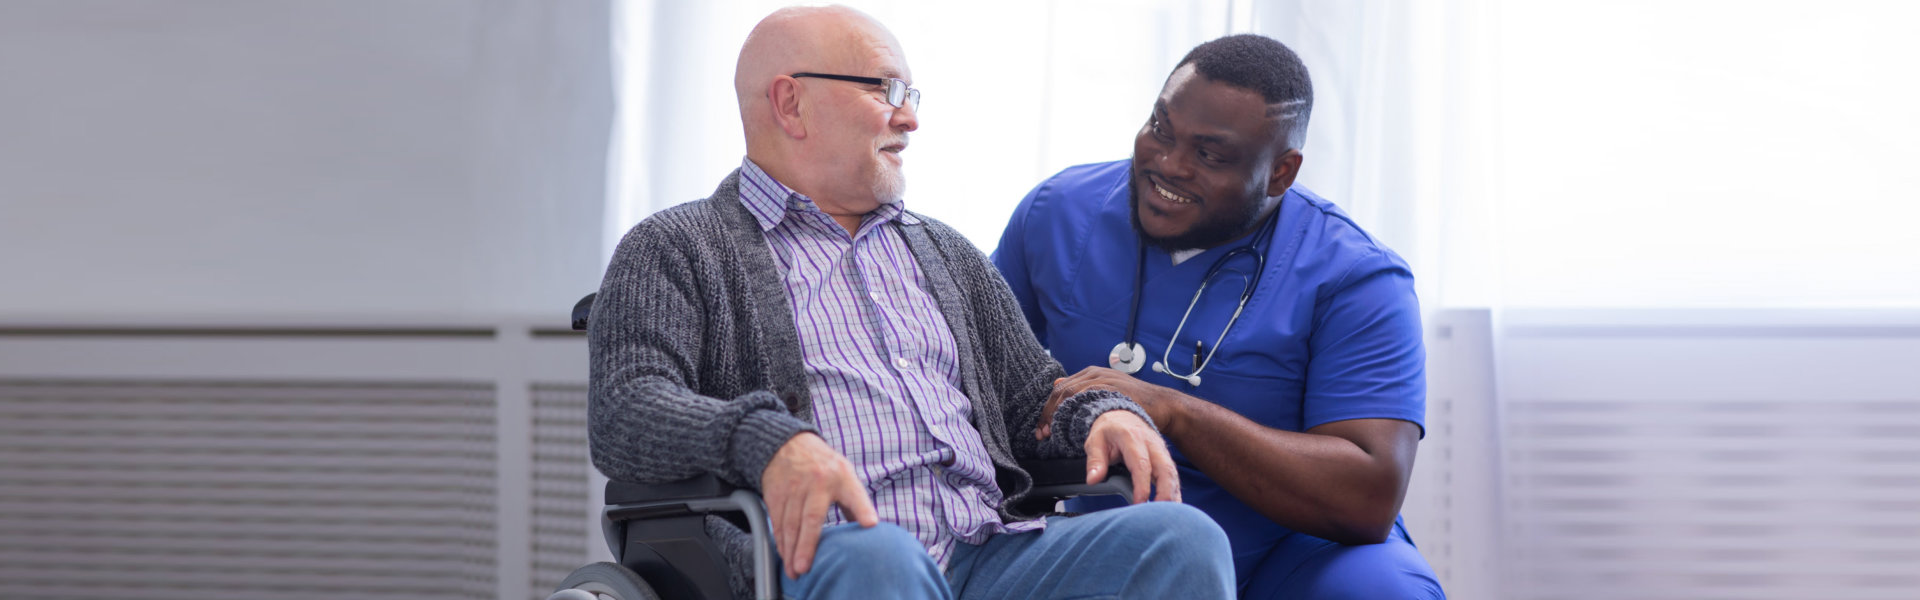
pixel 898 94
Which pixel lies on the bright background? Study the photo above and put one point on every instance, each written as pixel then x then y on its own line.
pixel 279 270
pixel 1544 154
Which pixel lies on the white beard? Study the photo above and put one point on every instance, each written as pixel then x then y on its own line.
pixel 891 186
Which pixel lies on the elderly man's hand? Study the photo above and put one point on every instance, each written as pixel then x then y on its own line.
pixel 806 478
pixel 1123 435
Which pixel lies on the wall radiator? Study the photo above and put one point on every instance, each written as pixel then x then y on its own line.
pixel 306 462
pixel 1568 455
pixel 1710 454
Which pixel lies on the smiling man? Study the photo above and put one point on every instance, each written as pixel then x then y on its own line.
pixel 1275 343
pixel 801 333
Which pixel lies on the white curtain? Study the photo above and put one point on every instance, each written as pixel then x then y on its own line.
pixel 1642 154
pixel 1013 91
pixel 1629 159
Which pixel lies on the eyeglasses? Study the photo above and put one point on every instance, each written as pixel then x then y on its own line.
pixel 898 94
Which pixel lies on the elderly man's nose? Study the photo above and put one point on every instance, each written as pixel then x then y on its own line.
pixel 906 117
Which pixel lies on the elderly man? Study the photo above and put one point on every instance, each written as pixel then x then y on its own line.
pixel 1284 341
pixel 864 367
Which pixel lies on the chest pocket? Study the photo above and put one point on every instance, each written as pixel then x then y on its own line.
pixel 1267 396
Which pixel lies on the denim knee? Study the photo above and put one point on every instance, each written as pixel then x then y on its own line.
pixel 1186 552
pixel 1182 529
pixel 852 561
pixel 884 546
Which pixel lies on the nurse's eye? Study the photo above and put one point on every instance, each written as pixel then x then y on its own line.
pixel 1160 133
pixel 1211 157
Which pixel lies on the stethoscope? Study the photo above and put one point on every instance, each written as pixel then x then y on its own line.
pixel 1128 356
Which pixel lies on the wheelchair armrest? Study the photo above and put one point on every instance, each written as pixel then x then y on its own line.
pixel 630 501
pixel 1066 471
pixel 1054 477
pixel 691 488
pixel 1057 479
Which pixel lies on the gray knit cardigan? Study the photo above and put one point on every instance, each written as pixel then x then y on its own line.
pixel 697 366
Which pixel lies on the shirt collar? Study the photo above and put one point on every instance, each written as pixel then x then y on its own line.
pixel 770 201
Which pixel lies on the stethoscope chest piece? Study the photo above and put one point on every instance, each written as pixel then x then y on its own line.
pixel 1127 358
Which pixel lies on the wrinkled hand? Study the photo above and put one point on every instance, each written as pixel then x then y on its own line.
pixel 1159 402
pixel 1121 434
pixel 803 481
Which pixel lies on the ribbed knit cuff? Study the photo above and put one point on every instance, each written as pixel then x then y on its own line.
pixel 1076 415
pixel 760 434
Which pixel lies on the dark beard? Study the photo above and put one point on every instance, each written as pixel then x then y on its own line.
pixel 1205 234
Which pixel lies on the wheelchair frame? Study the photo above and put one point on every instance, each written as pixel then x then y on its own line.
pixel 657 532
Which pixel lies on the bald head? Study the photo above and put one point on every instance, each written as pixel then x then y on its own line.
pixel 821 39
pixel 833 135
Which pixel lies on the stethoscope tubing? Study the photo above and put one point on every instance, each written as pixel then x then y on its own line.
pixel 1253 248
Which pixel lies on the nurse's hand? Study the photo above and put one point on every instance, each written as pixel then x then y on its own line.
pixel 1163 404
pixel 1120 434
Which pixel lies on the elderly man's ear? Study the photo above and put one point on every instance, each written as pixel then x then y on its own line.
pixel 784 95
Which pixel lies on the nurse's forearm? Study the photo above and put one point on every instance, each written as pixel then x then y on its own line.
pixel 1343 481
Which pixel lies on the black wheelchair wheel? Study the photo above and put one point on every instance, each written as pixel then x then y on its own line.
pixel 604 581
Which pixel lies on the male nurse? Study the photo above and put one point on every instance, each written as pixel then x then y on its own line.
pixel 1274 342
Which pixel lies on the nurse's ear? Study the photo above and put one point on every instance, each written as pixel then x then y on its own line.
pixel 1285 168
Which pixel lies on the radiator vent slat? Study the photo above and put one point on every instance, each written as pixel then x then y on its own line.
pixel 562 525
pixel 211 489
pixel 1707 499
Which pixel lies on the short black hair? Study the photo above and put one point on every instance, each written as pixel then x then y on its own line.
pixel 1261 64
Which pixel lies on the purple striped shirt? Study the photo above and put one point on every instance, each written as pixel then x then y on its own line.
pixel 882 367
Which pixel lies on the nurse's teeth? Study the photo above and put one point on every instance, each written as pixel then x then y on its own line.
pixel 1170 196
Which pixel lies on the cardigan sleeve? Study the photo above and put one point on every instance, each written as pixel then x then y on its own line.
pixel 1025 370
pixel 646 333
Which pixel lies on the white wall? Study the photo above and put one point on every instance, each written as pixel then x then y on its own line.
pixel 351 158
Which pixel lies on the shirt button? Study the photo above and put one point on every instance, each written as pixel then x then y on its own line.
pixel 903 363
pixel 877 298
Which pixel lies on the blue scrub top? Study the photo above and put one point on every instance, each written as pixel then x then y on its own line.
pixel 1331 333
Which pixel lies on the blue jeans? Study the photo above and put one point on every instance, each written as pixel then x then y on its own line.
pixel 1151 550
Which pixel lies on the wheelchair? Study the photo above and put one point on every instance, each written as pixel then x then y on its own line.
pixel 657 532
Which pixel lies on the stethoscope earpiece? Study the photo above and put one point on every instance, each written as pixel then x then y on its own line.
pixel 1192 380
